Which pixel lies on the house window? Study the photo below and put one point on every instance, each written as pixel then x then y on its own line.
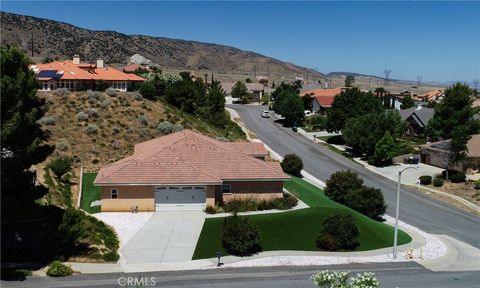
pixel 160 188
pixel 114 193
pixel 226 188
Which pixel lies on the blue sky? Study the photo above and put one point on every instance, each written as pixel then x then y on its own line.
pixel 439 40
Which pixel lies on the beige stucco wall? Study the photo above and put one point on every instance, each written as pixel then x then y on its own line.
pixel 128 196
pixel 125 205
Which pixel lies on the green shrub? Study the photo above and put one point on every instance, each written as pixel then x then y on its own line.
pixel 213 209
pixel 476 185
pixel 340 184
pixel 111 256
pixel 451 174
pixel 292 164
pixel 251 204
pixel 317 121
pixel 60 166
pixel 58 269
pixel 240 236
pixel 101 85
pixel 458 178
pixel 437 182
pixel 368 201
pixel 327 242
pixel 425 179
pixel 342 228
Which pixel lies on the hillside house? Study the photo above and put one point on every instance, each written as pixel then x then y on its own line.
pixel 323 98
pixel 75 75
pixel 256 89
pixel 417 119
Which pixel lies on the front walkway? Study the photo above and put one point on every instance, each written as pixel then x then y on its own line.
pixel 169 236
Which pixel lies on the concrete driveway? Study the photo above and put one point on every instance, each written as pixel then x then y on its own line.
pixel 168 236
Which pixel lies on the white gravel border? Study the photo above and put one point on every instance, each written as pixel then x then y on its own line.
pixel 432 249
pixel 126 224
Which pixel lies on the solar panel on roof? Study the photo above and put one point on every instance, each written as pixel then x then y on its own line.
pixel 49 74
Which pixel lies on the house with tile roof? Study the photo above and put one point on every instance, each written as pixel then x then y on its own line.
pixel 437 154
pixel 256 89
pixel 188 169
pixel 75 75
pixel 323 98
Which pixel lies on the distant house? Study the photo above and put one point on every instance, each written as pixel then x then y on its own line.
pixel 437 154
pixel 417 119
pixel 323 98
pixel 257 89
pixel 75 75
pixel 432 95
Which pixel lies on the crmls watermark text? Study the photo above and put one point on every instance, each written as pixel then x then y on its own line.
pixel 136 281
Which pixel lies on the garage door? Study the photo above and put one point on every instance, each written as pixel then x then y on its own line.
pixel 180 197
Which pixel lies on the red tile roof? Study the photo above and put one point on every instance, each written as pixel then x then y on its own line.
pixel 187 157
pixel 430 95
pixel 325 101
pixel 85 71
pixel 324 92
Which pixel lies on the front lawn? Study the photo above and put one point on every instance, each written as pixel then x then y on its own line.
pixel 90 193
pixel 297 230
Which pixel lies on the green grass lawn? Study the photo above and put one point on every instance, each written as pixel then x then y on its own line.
pixel 297 230
pixel 90 193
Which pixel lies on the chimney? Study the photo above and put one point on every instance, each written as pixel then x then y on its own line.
pixel 76 59
pixel 99 63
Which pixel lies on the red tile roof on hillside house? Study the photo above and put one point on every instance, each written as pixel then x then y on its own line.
pixel 324 92
pixel 187 157
pixel 325 101
pixel 430 95
pixel 85 71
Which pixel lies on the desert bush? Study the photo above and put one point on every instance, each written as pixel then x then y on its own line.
pixel 82 116
pixel 177 128
pixel 93 96
pixel 368 201
pixel 143 133
pixel 213 209
pixel 104 104
pixel 340 184
pixel 61 146
pixel 92 129
pixel 342 228
pixel 240 236
pixel 142 119
pixel 60 166
pixel 116 130
pixel 137 96
pixel 46 120
pixel 116 144
pixel 92 112
pixel 111 92
pixel 164 128
pixel 62 92
pixel 437 182
pixel 58 269
pixel 292 164
pixel 425 179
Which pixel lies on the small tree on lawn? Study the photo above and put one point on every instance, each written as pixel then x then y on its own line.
pixel 292 164
pixel 342 229
pixel 240 236
pixel 368 201
pixel 385 150
pixel 340 184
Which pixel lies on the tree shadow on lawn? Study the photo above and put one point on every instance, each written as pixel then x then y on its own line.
pixel 252 251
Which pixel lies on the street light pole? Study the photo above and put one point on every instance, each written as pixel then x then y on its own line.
pixel 396 211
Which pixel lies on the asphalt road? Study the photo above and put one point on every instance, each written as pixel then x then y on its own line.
pixel 419 210
pixel 407 274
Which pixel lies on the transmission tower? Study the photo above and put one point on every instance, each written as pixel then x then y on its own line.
pixel 387 76
pixel 419 80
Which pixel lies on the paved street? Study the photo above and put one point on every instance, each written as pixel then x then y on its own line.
pixel 419 210
pixel 389 274
pixel 167 237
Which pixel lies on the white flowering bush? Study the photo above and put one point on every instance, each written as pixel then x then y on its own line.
pixel 332 279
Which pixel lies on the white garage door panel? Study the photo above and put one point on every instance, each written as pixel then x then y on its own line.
pixel 180 196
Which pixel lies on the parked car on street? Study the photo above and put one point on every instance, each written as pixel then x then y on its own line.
pixel 265 114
